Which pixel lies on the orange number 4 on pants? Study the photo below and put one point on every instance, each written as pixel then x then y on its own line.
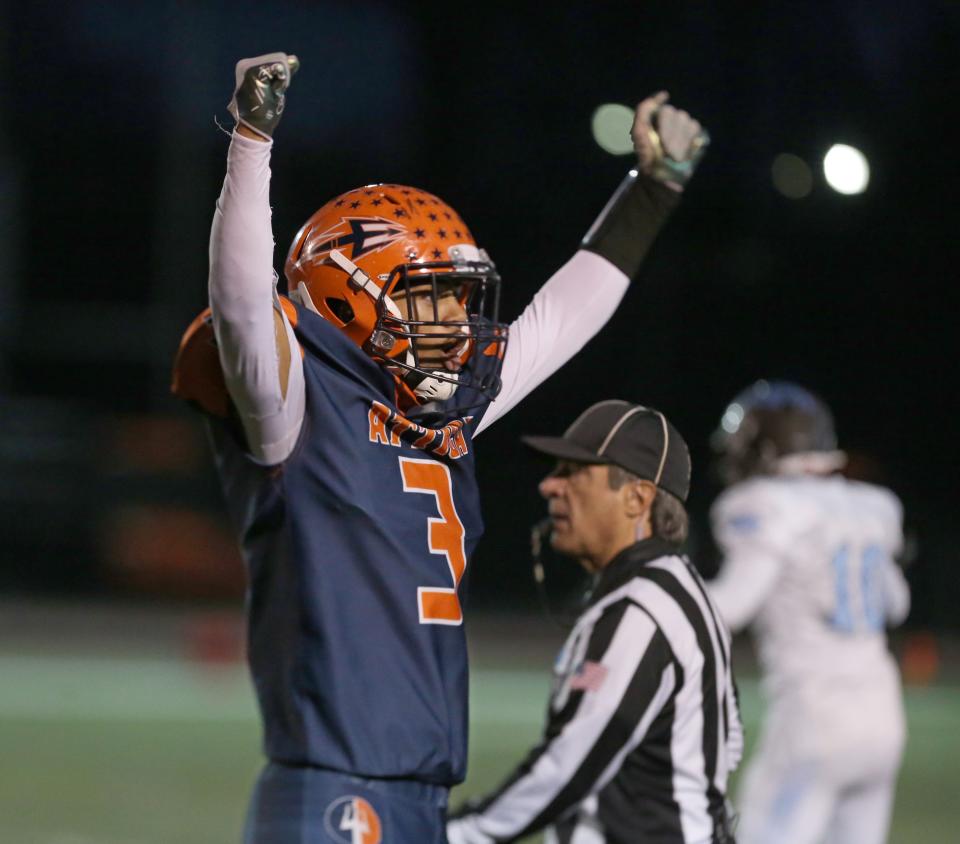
pixel 444 536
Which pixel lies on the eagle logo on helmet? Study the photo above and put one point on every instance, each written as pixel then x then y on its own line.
pixel 363 234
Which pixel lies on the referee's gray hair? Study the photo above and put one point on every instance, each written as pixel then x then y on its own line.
pixel 668 517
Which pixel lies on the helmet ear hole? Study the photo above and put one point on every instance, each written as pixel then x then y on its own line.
pixel 340 308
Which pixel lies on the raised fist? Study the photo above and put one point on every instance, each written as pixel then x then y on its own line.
pixel 668 141
pixel 260 92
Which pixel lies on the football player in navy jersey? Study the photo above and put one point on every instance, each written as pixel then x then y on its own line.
pixel 342 419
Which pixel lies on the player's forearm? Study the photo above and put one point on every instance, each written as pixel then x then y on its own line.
pixel 241 240
pixel 631 221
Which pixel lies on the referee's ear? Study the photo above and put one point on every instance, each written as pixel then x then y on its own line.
pixel 638 499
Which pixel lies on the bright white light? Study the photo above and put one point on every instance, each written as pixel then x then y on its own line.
pixel 732 418
pixel 611 128
pixel 846 169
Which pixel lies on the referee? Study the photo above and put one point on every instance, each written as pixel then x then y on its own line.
pixel 643 726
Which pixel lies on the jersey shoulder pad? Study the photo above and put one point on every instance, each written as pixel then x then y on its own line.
pixel 760 510
pixel 886 508
pixel 197 375
pixel 885 500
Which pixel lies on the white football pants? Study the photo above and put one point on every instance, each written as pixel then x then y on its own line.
pixel 825 769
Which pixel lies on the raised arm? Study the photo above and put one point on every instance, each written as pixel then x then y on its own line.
pixel 745 581
pixel 896 590
pixel 583 294
pixel 258 352
pixel 753 531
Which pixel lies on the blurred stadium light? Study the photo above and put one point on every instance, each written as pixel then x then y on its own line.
pixel 611 124
pixel 846 169
pixel 791 176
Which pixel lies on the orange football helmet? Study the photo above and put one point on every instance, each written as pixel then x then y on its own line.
pixel 373 244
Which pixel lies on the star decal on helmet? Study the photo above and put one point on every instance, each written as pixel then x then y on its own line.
pixel 364 234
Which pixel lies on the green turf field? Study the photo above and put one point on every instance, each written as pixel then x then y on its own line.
pixel 161 751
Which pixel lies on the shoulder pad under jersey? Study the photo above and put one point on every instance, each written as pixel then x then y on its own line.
pixel 197 375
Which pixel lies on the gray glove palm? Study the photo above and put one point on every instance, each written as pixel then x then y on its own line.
pixel 260 92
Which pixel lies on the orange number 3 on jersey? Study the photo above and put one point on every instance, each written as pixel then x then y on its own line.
pixel 444 536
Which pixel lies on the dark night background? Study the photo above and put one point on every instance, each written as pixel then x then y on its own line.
pixel 110 163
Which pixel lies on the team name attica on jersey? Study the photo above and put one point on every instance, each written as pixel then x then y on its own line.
pixel 388 427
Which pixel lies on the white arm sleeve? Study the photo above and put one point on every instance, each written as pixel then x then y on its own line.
pixel 565 313
pixel 243 299
pixel 896 595
pixel 896 590
pixel 750 529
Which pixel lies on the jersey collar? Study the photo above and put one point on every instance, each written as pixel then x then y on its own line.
pixel 628 562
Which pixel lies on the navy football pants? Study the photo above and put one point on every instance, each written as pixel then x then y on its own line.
pixel 303 805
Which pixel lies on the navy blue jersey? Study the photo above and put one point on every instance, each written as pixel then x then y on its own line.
pixel 355 548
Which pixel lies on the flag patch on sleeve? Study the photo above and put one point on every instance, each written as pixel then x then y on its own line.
pixel 589 676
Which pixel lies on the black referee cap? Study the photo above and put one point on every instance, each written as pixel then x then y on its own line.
pixel 636 438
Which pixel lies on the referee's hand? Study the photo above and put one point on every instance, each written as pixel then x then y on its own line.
pixel 464 830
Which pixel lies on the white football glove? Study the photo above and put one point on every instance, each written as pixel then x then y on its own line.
pixel 668 141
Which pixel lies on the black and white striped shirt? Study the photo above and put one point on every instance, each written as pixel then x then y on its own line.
pixel 643 727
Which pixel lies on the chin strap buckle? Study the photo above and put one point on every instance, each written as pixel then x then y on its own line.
pixel 382 341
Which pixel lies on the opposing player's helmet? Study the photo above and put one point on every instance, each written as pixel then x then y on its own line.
pixel 772 427
pixel 374 244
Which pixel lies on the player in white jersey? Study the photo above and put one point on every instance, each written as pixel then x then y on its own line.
pixel 809 562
